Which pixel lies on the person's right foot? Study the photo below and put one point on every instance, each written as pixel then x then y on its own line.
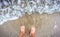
pixel 32 30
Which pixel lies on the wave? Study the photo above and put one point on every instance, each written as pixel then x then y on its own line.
pixel 14 11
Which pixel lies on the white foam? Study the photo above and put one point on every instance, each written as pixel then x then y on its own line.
pixel 5 3
pixel 1 20
pixel 16 11
pixel 40 9
pixel 16 7
pixel 28 9
pixel 0 5
pixel 19 1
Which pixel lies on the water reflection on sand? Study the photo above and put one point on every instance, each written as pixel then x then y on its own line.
pixel 46 25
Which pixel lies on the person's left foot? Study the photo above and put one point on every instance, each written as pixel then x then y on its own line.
pixel 22 29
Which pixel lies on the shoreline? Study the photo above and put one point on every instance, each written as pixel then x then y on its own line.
pixel 46 25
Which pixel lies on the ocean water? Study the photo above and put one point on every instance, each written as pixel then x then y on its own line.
pixel 11 10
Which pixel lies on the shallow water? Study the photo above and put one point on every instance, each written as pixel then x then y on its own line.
pixel 46 25
pixel 44 15
pixel 21 7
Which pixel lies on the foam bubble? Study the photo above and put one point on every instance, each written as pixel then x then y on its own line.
pixel 1 20
pixel 5 3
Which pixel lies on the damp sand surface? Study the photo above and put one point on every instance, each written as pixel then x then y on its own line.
pixel 46 25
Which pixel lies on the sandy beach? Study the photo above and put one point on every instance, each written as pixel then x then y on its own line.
pixel 46 25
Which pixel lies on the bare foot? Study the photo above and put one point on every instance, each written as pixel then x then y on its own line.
pixel 23 29
pixel 32 30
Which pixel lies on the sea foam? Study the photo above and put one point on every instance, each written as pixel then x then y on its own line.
pixel 18 10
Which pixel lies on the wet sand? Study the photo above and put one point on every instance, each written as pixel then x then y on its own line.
pixel 46 25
